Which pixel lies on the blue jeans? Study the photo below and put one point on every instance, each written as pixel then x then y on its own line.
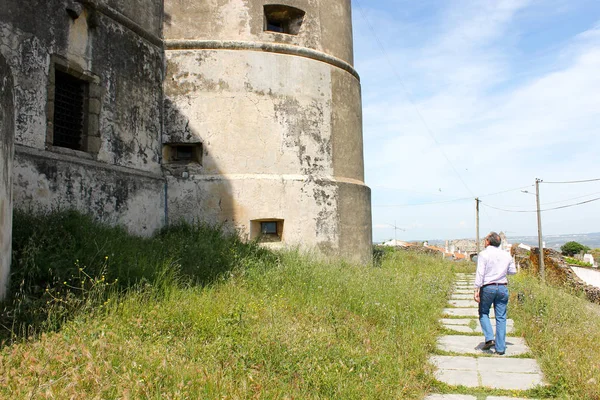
pixel 498 296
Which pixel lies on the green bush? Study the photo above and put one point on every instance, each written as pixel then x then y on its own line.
pixel 572 248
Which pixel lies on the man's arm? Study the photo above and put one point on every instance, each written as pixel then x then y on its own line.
pixel 512 269
pixel 479 276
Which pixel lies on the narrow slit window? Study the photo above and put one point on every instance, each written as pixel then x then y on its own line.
pixel 283 19
pixel 69 111
pixel 184 153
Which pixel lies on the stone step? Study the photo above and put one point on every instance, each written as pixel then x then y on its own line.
pixel 493 372
pixel 464 303
pixel 463 344
pixel 463 291
pixel 462 296
pixel 465 312
pixel 463 325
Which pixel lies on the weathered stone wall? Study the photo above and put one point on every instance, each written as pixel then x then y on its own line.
pixel 327 26
pixel 7 121
pixel 116 45
pixel 557 271
pixel 279 120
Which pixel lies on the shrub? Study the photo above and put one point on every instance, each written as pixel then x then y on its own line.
pixel 572 248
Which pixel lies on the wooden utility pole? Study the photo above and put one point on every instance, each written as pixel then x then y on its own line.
pixel 477 222
pixel 539 221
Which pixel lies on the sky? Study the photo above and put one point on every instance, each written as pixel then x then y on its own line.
pixel 469 98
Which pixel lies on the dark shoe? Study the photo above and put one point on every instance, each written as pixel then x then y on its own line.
pixel 500 353
pixel 488 345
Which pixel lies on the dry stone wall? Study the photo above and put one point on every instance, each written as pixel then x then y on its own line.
pixel 557 271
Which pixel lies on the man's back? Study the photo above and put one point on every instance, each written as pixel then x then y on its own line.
pixel 493 265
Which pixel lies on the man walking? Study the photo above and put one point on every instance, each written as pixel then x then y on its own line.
pixel 493 265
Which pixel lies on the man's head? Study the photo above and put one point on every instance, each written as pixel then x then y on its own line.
pixel 493 239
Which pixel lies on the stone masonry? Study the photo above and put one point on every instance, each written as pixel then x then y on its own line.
pixel 244 114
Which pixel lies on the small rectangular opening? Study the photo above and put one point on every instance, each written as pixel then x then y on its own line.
pixel 283 19
pixel 266 230
pixel 183 153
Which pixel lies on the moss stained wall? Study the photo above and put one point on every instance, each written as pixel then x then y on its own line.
pixel 7 134
pixel 117 44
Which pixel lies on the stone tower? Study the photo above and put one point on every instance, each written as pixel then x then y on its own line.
pixel 263 124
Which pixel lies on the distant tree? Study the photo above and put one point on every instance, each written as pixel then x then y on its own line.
pixel 572 248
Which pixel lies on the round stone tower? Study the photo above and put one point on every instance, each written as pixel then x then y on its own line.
pixel 263 122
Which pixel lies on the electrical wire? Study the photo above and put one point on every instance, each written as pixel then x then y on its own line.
pixel 547 209
pixel 453 200
pixel 409 97
pixel 555 202
pixel 568 182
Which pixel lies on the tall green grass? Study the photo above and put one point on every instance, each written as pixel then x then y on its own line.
pixel 563 331
pixel 260 325
pixel 64 261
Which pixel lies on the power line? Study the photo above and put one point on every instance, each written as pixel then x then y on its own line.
pixel 556 202
pixel 452 200
pixel 424 204
pixel 547 209
pixel 409 97
pixel 508 190
pixel 583 181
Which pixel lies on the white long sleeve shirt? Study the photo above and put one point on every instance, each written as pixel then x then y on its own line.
pixel 493 265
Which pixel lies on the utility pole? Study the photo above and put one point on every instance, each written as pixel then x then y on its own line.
pixel 477 201
pixel 395 230
pixel 539 221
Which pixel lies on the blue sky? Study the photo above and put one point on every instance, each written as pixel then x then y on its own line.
pixel 465 98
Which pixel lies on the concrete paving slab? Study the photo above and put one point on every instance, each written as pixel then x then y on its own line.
pixel 467 321
pixel 510 381
pixel 465 312
pixel 450 397
pixel 461 296
pixel 495 372
pixel 463 291
pixel 459 363
pixel 459 328
pixel 514 365
pixel 452 377
pixel 460 321
pixel 472 345
pixel 467 329
pixel 505 398
pixel 464 303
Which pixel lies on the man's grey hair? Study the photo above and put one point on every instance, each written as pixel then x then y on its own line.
pixel 494 239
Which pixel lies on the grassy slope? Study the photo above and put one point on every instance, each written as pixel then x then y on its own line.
pixel 563 331
pixel 219 319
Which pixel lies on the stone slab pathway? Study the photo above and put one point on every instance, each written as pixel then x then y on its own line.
pixel 466 325
pixel 464 363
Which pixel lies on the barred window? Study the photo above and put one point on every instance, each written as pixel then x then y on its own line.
pixel 70 96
